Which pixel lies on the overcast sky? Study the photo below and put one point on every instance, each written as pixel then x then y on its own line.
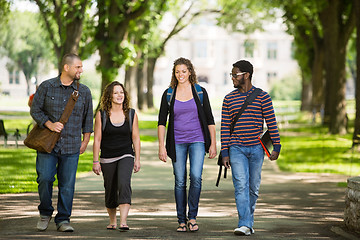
pixel 23 5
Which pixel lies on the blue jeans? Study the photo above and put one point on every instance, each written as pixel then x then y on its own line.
pixel 196 153
pixel 65 166
pixel 246 164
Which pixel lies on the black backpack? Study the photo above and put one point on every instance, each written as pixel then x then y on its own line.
pixel 131 119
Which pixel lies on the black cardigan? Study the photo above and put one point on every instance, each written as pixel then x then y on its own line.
pixel 205 116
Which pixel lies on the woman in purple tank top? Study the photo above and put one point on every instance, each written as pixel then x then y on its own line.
pixel 191 131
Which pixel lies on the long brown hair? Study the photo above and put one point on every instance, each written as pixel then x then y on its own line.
pixel 190 67
pixel 107 97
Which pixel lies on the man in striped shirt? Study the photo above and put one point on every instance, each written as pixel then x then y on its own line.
pixel 242 149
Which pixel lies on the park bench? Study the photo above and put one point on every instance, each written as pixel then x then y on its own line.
pixel 5 134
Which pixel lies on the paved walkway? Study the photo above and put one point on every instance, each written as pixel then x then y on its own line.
pixel 290 206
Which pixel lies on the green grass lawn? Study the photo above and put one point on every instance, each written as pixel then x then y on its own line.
pixel 320 153
pixel 18 171
pixel 306 147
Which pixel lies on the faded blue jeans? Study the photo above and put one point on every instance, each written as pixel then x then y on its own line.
pixel 246 164
pixel 196 152
pixel 65 166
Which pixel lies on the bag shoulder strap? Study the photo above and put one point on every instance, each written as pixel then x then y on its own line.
pixel 70 105
pixel 248 101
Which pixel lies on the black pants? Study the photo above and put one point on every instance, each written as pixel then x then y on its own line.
pixel 117 181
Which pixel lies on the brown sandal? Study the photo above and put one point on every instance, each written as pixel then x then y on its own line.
pixel 181 228
pixel 191 227
pixel 111 227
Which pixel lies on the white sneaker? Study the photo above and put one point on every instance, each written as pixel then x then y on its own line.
pixel 243 230
pixel 65 227
pixel 43 223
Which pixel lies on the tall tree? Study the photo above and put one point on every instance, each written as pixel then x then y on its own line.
pixel 111 34
pixel 64 21
pixel 309 53
pixel 331 23
pixel 356 135
pixel 25 44
pixel 158 40
pixel 4 11
pixel 337 18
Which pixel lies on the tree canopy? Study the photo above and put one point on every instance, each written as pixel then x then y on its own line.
pixel 25 45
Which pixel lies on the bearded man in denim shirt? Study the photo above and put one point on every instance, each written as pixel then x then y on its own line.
pixel 48 105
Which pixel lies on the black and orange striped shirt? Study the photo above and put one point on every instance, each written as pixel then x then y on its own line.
pixel 250 124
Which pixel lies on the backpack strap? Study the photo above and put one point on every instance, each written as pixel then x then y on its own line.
pixel 169 95
pixel 103 119
pixel 131 118
pixel 199 93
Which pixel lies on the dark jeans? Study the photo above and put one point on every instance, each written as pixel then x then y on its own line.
pixel 65 166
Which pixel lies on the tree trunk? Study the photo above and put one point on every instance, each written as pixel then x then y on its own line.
pixel 140 85
pixel 130 85
pixel 336 35
pixel 306 95
pixel 106 68
pixel 317 78
pixel 150 81
pixel 356 135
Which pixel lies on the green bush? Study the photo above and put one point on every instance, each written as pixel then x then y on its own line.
pixel 288 88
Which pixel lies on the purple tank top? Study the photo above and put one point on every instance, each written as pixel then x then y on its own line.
pixel 187 127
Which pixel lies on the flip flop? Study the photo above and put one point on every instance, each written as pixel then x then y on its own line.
pixel 124 227
pixel 181 228
pixel 192 227
pixel 111 227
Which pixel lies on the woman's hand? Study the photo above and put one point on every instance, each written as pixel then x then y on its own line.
pixel 212 151
pixel 162 153
pixel 136 166
pixel 97 168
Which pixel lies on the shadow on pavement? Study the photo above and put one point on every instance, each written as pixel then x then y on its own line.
pixel 290 206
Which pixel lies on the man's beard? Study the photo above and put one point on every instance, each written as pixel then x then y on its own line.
pixel 239 83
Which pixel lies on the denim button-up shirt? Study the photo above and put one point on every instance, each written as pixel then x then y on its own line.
pixel 49 103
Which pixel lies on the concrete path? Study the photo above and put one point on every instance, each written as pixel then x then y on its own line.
pixel 290 206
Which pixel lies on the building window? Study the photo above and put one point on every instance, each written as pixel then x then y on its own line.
pixel 271 76
pixel 14 77
pixel 201 49
pixel 249 49
pixel 203 79
pixel 272 50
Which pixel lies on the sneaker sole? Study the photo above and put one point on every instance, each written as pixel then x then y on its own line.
pixel 240 233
